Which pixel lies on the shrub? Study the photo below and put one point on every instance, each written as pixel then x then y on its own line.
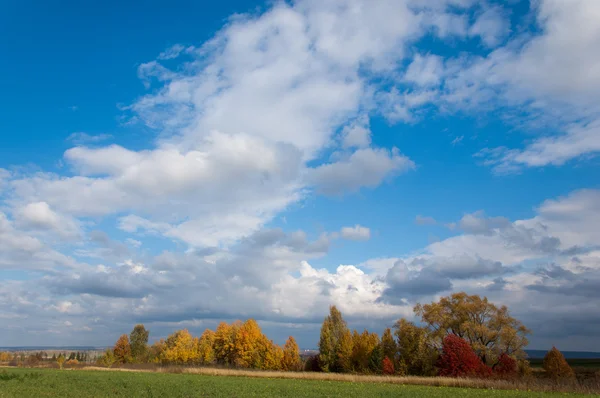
pixel 524 368
pixel 556 365
pixel 312 364
pixel 72 362
pixel 506 367
pixel 388 366
pixel 459 360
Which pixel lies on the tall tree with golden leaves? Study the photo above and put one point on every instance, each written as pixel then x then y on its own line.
pixel 291 356
pixel 180 348
pixel 246 345
pixel 343 361
pixel 490 330
pixel 206 352
pixel 363 345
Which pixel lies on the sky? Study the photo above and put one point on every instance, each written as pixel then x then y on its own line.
pixel 179 164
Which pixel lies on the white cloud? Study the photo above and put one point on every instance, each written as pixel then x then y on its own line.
pixel 39 216
pixel 357 134
pixel 356 232
pixel 171 52
pixel 364 168
pixel 492 26
pixel 425 70
pixel 80 138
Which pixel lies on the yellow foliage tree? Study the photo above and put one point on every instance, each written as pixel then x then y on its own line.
pixel 206 352
pixel 60 361
pixel 270 354
pixel 224 343
pixel 291 356
pixel 343 361
pixel 246 345
pixel 180 348
pixel 363 345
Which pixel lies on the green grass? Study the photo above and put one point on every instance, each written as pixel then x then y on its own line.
pixel 84 383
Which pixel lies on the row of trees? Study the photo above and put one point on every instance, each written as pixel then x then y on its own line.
pixel 490 333
pixel 239 344
pixel 460 335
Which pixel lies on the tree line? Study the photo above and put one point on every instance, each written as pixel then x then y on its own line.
pixel 459 335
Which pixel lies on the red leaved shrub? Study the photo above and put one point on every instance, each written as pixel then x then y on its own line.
pixel 506 367
pixel 388 366
pixel 459 360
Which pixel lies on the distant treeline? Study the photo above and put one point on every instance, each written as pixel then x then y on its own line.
pixel 460 336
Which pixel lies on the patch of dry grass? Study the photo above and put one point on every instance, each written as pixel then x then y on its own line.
pixel 526 384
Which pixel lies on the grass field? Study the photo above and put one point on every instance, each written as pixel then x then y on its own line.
pixel 89 383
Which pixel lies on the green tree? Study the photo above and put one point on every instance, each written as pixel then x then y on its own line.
pixel 332 330
pixel 138 339
pixel 376 360
pixel 388 345
pixel 417 354
pixel 490 330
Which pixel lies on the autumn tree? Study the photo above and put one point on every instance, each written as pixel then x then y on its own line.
pixel 417 355
pixel 138 339
pixel 270 354
pixel 206 352
pixel 332 330
pixel 459 360
pixel 60 360
pixel 224 343
pixel 180 347
pixel 507 367
pixel 490 330
pixel 556 365
pixel 363 345
pixel 291 356
pixel 122 349
pixel 388 366
pixel 107 359
pixel 388 345
pixel 343 362
pixel 245 345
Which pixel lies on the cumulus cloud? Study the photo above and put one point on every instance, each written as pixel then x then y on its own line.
pixel 364 168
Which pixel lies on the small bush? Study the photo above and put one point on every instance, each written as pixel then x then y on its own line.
pixel 556 365
pixel 459 360
pixel 312 364
pixel 388 366
pixel 506 368
pixel 524 368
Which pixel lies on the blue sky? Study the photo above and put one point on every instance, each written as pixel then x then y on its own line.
pixel 178 164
